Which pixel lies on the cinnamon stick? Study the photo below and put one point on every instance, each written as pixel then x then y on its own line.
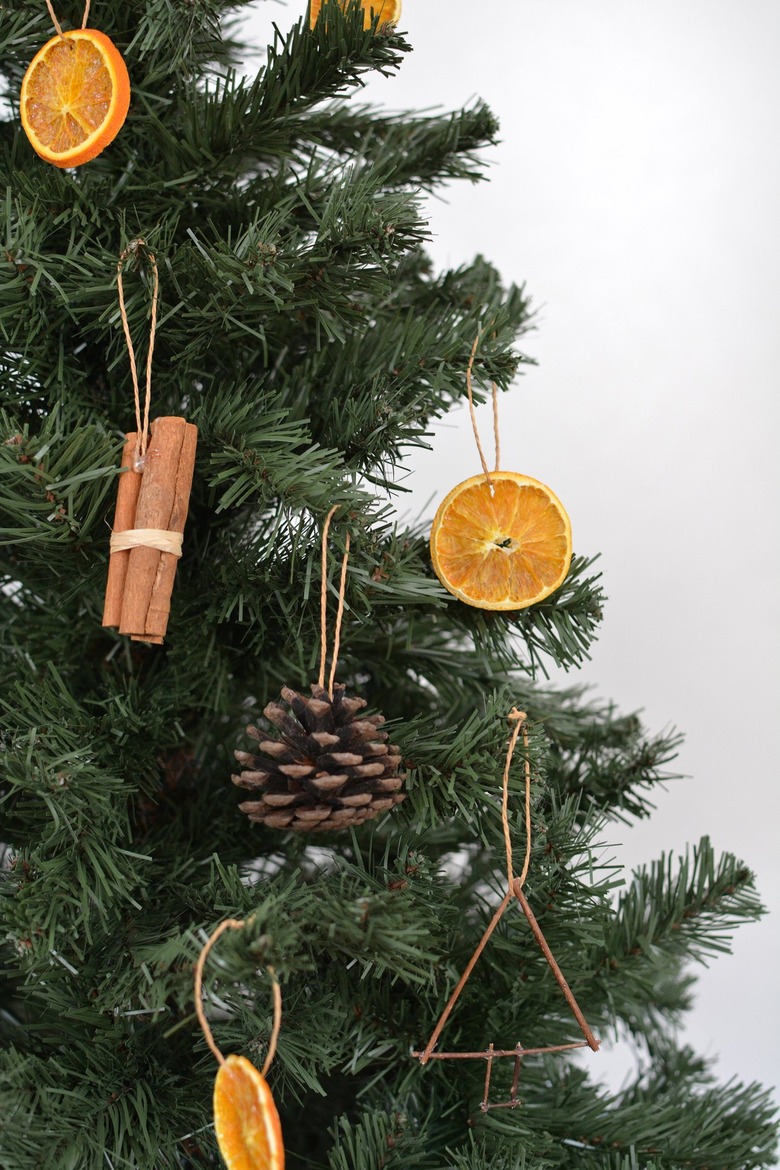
pixel 162 504
pixel 160 601
pixel 124 518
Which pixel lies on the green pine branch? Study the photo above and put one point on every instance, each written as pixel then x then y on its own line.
pixel 671 914
pixel 605 756
pixel 691 908
pixel 431 148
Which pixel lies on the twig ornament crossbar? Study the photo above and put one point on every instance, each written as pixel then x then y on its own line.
pixel 514 891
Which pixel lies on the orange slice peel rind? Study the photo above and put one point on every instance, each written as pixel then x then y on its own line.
pixel 388 11
pixel 75 96
pixel 503 544
pixel 246 1120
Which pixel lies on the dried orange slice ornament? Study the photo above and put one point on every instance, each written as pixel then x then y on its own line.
pixel 75 97
pixel 245 1118
pixel 501 541
pixel 246 1121
pixel 388 11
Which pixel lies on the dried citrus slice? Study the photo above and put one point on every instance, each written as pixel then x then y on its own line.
pixel 75 96
pixel 388 11
pixel 245 1118
pixel 504 547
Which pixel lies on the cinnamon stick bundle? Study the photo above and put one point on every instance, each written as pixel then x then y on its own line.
pixel 154 500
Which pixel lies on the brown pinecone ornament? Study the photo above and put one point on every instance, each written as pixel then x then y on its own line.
pixel 329 769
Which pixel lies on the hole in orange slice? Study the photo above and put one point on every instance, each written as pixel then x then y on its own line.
pixel 245 1118
pixel 388 11
pixel 504 547
pixel 75 96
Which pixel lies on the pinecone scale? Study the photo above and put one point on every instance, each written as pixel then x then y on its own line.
pixel 330 768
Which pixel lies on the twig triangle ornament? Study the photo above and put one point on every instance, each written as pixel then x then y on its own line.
pixel 514 891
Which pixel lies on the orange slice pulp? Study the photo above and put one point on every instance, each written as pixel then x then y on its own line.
pixel 245 1118
pixel 388 11
pixel 504 547
pixel 75 96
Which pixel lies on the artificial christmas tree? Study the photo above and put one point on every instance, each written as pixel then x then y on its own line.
pixel 302 331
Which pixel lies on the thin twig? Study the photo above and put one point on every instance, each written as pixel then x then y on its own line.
pixel 497 1052
pixel 445 1015
pixel 519 717
pixel 488 1071
pixel 516 1077
pixel 550 957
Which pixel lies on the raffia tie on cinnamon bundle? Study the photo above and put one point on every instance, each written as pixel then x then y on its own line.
pixel 152 502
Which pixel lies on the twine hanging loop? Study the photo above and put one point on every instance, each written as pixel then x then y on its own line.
pixel 132 251
pixel 234 924
pixel 324 604
pixel 473 414
pixel 57 24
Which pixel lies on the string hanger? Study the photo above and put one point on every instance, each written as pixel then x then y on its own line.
pixel 234 924
pixel 57 24
pixel 473 413
pixel 324 604
pixel 132 251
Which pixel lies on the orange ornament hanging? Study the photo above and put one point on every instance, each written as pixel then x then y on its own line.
pixel 246 1121
pixel 500 540
pixel 502 543
pixel 75 95
pixel 388 11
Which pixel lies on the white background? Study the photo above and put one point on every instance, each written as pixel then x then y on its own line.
pixel 636 191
